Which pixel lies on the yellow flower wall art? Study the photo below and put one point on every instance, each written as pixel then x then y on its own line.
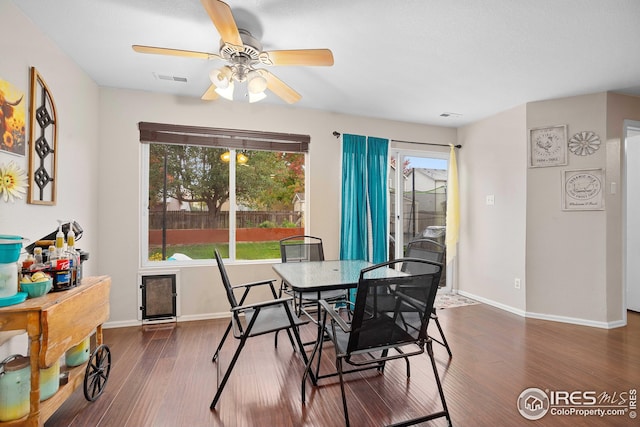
pixel 12 119
pixel 13 182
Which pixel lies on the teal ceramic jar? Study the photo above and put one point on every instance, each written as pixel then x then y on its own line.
pixel 49 381
pixel 78 354
pixel 15 386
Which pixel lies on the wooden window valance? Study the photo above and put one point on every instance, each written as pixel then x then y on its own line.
pixel 160 133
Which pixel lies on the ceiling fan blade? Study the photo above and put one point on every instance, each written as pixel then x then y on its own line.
pixel 220 14
pixel 174 52
pixel 210 94
pixel 318 57
pixel 279 87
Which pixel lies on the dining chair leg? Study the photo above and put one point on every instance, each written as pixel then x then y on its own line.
pixel 444 342
pixel 228 372
pixel 438 382
pixel 280 291
pixel 224 337
pixel 319 343
pixel 298 341
pixel 234 359
pixel 344 397
pixel 307 371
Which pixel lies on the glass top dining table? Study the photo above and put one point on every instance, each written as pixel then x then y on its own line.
pixel 318 276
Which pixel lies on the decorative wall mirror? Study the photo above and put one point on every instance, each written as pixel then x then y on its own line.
pixel 43 142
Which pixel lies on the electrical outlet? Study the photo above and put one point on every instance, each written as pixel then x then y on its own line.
pixel 490 200
pixel 516 283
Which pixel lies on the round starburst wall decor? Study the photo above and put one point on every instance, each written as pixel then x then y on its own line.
pixel 584 143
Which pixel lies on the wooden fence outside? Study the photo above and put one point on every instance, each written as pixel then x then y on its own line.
pixel 184 220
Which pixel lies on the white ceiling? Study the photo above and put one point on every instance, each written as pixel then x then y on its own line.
pixel 407 60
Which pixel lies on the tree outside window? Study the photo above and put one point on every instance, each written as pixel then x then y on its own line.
pixel 193 207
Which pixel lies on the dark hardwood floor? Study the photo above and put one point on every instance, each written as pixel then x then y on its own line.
pixel 163 377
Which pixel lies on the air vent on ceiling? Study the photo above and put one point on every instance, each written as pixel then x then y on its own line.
pixel 448 114
pixel 170 78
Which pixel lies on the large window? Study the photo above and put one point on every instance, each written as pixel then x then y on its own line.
pixel 238 192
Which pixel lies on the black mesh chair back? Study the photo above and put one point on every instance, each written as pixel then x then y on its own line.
pixel 301 248
pixel 305 248
pixel 433 251
pixel 225 281
pixel 382 305
pixel 423 249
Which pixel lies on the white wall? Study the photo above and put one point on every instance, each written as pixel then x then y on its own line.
pixel 119 183
pixel 76 99
pixel 492 161
pixel 566 251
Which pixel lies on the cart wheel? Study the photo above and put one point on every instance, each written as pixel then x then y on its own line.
pixel 97 373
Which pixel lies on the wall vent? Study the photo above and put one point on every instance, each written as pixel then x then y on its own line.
pixel 158 297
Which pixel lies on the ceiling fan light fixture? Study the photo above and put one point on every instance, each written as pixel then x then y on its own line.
pixel 243 52
pixel 221 77
pixel 255 97
pixel 257 83
pixel 226 92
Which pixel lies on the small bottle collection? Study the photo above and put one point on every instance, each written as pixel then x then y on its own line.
pixel 56 260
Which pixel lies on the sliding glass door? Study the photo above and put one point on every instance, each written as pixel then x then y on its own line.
pixel 418 198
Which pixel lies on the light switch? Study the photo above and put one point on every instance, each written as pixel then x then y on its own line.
pixel 490 200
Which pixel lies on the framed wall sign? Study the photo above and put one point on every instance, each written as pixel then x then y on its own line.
pixel 583 190
pixel 548 146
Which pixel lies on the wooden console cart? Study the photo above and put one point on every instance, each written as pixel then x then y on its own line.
pixel 54 323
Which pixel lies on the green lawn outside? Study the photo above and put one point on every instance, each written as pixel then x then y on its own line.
pixel 246 250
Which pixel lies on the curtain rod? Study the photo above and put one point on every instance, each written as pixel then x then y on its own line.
pixel 337 135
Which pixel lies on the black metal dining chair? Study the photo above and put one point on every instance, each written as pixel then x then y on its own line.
pixel 433 251
pixel 250 320
pixel 389 321
pixel 305 248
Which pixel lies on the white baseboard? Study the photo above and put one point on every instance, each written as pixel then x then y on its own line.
pixel 207 316
pixel 187 318
pixel 122 324
pixel 492 303
pixel 577 321
pixel 516 311
pixel 542 316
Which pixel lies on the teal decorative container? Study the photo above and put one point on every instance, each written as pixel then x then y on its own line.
pixel 49 381
pixel 15 386
pixel 78 354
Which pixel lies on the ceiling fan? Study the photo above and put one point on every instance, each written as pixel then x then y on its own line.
pixel 243 54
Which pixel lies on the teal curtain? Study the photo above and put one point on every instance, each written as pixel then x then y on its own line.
pixel 377 159
pixel 364 198
pixel 353 228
